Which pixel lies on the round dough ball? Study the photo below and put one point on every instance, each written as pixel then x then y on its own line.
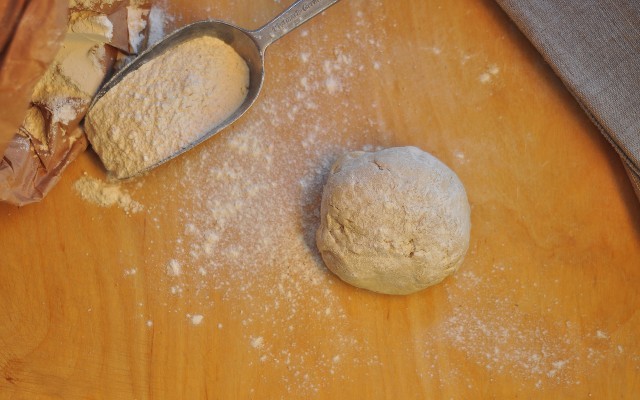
pixel 395 221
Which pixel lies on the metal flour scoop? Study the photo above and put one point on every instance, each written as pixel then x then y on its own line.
pixel 250 45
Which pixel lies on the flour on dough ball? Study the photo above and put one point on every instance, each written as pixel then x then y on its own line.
pixel 395 221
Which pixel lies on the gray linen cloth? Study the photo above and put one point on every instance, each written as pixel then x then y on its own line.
pixel 594 47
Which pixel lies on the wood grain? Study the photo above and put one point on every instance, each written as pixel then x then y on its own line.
pixel 545 305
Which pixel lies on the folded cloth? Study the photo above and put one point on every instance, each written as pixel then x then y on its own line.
pixel 594 47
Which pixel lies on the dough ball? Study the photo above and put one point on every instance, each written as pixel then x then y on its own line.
pixel 395 221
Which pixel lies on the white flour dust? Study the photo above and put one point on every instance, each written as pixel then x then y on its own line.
pixel 106 194
pixel 495 335
pixel 249 207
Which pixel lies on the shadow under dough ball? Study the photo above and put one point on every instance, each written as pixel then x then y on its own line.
pixel 394 221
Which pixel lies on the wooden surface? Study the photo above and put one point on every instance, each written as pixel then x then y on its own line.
pixel 545 305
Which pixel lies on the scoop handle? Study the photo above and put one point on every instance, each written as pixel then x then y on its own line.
pixel 297 14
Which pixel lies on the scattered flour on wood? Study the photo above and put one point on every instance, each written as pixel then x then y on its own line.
pixel 105 194
pixel 494 334
pixel 174 268
pixel 491 72
pixel 249 208
pixel 257 342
